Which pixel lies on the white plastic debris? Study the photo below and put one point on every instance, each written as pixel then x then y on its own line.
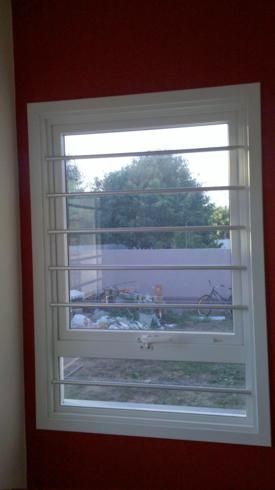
pixel 146 319
pixel 76 295
pixel 97 314
pixel 103 322
pixel 80 321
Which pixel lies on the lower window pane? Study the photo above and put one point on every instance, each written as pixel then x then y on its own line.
pixel 136 381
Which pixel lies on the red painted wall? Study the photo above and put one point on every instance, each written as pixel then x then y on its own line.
pixel 72 49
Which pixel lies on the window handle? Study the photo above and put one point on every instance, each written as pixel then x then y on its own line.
pixel 148 340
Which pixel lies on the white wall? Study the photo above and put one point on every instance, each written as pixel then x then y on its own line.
pixel 12 443
pixel 176 284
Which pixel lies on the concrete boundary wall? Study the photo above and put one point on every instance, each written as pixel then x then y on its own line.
pixel 175 284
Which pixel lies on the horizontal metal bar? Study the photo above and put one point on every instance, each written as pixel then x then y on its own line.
pixel 56 158
pixel 161 190
pixel 168 267
pixel 185 306
pixel 147 229
pixel 206 389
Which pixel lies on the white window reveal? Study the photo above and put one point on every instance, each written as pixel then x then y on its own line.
pixel 148 265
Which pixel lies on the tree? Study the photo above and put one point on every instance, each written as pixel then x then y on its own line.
pixel 80 211
pixel 74 179
pixel 179 209
pixel 220 216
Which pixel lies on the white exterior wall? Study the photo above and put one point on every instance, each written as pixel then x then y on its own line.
pixel 12 440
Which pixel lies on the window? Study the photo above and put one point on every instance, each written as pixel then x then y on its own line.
pixel 148 265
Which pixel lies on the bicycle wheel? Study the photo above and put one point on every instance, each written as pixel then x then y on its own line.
pixel 229 313
pixel 206 299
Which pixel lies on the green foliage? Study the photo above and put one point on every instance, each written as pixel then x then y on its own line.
pixel 220 216
pixel 80 211
pixel 162 209
pixel 153 172
pixel 73 177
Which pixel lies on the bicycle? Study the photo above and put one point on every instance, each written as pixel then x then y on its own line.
pixel 214 297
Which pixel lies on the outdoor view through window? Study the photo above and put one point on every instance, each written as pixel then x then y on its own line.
pixel 148 245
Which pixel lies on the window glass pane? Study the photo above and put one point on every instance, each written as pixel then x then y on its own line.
pixel 198 136
pixel 156 286
pixel 148 172
pixel 191 373
pixel 210 291
pixel 179 209
pixel 92 248
pixel 198 319
pixel 146 396
pixel 142 210
pixel 161 373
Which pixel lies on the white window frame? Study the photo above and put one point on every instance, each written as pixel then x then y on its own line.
pixel 240 106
